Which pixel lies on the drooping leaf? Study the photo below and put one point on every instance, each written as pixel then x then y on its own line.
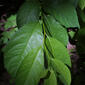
pixel 56 30
pixel 58 50
pixel 63 71
pixel 82 4
pixel 29 12
pixel 52 80
pixel 64 13
pixel 24 55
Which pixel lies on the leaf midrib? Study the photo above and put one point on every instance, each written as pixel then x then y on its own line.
pixel 23 52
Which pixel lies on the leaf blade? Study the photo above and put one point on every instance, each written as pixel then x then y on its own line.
pixel 56 30
pixel 51 80
pixel 64 13
pixel 58 50
pixel 61 69
pixel 28 13
pixel 25 45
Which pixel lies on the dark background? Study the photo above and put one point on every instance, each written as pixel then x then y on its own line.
pixel 9 6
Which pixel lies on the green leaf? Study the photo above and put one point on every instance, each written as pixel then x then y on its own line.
pixel 51 80
pixel 11 22
pixel 71 33
pixel 24 57
pixel 47 55
pixel 29 12
pixel 58 50
pixel 81 42
pixel 63 71
pixel 44 73
pixel 82 4
pixel 8 34
pixel 82 15
pixel 75 2
pixel 11 26
pixel 56 30
pixel 64 13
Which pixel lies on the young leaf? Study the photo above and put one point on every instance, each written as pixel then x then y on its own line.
pixel 71 34
pixel 10 28
pixel 11 22
pixel 51 80
pixel 63 71
pixel 29 12
pixel 65 13
pixel 58 50
pixel 24 55
pixel 8 34
pixel 56 30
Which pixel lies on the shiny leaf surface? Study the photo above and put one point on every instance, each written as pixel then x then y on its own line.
pixel 24 55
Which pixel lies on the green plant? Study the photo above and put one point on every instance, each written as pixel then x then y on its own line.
pixel 38 50
pixel 10 28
